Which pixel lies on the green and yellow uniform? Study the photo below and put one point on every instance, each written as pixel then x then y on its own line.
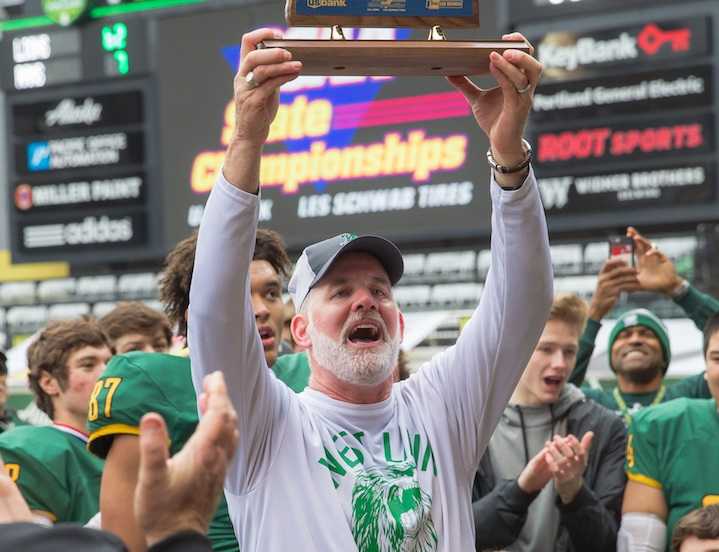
pixel 673 447
pixel 54 471
pixel 135 384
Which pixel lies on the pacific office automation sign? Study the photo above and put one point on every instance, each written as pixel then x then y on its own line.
pixel 96 150
pixel 583 54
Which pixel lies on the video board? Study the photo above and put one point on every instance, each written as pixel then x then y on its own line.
pixel 78 163
pixel 624 121
pixel 401 157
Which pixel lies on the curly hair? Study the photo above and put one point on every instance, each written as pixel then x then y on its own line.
pixel 135 318
pixel 52 349
pixel 175 282
pixel 176 279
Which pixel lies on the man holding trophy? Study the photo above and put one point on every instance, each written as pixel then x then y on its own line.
pixel 357 462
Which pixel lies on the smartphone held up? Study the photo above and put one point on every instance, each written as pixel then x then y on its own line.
pixel 622 247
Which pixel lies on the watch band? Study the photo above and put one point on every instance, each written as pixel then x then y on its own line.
pixel 503 169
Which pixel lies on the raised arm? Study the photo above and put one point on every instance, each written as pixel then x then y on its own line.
pixel 221 329
pixel 614 277
pixel 475 378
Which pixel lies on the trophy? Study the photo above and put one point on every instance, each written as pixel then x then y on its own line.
pixel 435 56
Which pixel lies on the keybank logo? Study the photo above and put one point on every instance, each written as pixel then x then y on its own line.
pixel 38 156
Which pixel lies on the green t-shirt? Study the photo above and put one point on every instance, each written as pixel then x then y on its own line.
pixel 54 471
pixel 674 447
pixel 293 370
pixel 136 383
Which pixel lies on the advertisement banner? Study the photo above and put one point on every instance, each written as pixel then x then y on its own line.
pixel 110 149
pixel 625 94
pixel 658 137
pixel 91 232
pixel 78 112
pixel 401 157
pixel 89 192
pixel 583 54
pixel 647 187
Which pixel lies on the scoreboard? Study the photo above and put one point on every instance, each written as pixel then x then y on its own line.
pixel 624 123
pixel 81 181
pixel 117 127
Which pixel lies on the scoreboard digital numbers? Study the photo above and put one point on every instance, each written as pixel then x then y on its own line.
pixel 80 179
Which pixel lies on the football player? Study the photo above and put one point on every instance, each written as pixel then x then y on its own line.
pixel 58 477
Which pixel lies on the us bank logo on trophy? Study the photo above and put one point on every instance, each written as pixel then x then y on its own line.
pixel 435 56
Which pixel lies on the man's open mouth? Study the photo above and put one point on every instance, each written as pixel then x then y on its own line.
pixel 267 335
pixel 365 333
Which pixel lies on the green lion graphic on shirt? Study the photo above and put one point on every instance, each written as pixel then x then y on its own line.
pixel 391 513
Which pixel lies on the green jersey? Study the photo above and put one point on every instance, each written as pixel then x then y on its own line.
pixel 53 470
pixel 673 447
pixel 293 370
pixel 136 383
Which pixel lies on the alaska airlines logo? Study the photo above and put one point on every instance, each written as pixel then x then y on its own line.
pixel 326 3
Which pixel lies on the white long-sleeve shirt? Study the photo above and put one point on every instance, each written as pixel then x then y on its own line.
pixel 315 474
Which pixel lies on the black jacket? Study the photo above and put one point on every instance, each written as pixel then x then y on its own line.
pixel 591 522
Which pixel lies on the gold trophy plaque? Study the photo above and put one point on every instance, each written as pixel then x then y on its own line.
pixel 435 56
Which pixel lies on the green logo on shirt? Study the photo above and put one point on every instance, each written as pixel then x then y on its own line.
pixel 390 512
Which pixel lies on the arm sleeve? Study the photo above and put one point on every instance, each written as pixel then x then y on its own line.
pixel 592 518
pixel 473 380
pixel 698 306
pixel 584 354
pixel 222 332
pixel 642 533
pixel 643 462
pixel 500 515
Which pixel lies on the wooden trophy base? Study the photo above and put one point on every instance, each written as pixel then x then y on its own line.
pixel 394 57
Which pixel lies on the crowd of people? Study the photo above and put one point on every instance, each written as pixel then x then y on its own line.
pixel 247 437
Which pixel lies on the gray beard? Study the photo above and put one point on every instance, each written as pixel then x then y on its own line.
pixel 362 367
